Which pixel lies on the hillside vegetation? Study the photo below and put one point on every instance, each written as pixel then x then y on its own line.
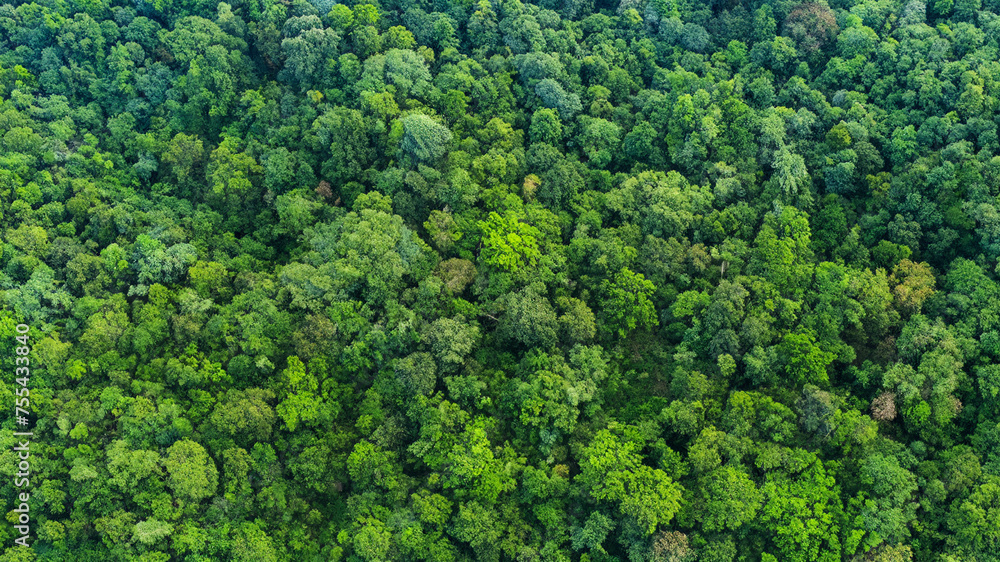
pixel 648 281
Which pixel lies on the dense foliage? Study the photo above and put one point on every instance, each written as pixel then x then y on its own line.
pixel 661 280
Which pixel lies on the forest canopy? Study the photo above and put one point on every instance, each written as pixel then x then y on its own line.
pixel 575 280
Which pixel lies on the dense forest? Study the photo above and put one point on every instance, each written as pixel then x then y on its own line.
pixel 657 280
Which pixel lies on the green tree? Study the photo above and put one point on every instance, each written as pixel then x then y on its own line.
pixel 424 139
pixel 627 303
pixel 546 127
pixel 191 473
pixel 529 318
pixel 509 244
pixel 300 402
pixel 805 361
pixel 601 140
pixel 611 469
pixel 306 54
pixel 729 500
